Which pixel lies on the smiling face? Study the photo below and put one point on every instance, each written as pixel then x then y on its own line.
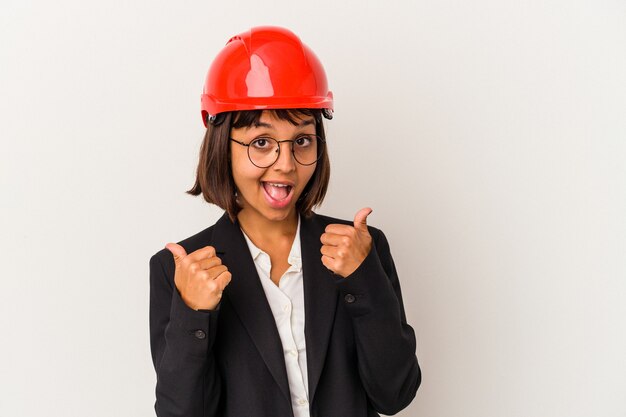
pixel 270 193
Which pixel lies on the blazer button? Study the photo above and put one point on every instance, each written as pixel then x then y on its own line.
pixel 200 334
pixel 349 298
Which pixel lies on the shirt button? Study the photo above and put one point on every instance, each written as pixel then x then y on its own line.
pixel 293 352
pixel 349 298
pixel 286 308
pixel 200 334
pixel 301 401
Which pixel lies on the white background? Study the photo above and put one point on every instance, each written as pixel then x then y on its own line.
pixel 488 136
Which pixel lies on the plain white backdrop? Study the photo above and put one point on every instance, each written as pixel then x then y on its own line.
pixel 488 136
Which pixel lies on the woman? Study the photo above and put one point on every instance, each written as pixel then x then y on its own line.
pixel 275 310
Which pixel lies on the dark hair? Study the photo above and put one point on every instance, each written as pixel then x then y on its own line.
pixel 214 178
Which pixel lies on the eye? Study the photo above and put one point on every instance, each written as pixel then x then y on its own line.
pixel 304 141
pixel 261 143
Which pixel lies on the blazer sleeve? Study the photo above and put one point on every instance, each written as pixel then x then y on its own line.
pixel 385 343
pixel 181 341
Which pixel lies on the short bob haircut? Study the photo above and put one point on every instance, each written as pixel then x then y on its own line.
pixel 214 177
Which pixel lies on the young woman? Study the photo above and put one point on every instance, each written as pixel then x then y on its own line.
pixel 276 311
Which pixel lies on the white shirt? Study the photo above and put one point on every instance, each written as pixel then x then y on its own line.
pixel 287 304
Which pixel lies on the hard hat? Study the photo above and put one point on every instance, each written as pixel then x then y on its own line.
pixel 266 67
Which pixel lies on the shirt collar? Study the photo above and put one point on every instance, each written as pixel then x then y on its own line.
pixel 295 254
pixel 294 258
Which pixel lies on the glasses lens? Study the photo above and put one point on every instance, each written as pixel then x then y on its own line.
pixel 263 151
pixel 307 149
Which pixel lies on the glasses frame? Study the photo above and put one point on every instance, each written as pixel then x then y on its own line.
pixel 247 145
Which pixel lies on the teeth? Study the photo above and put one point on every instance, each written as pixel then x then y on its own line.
pixel 277 185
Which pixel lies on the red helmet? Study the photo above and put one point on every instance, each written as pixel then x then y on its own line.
pixel 267 67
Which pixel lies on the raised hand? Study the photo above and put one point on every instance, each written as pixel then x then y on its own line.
pixel 345 247
pixel 200 276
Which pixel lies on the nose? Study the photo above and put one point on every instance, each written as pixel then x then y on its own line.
pixel 285 161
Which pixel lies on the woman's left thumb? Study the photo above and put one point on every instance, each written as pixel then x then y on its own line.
pixel 360 219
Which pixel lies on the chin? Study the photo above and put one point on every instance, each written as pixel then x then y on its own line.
pixel 278 215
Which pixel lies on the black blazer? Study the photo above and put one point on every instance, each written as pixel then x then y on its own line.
pixel 229 362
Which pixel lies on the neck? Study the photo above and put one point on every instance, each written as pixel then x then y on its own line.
pixel 261 229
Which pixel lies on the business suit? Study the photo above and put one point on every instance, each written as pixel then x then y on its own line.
pixel 229 363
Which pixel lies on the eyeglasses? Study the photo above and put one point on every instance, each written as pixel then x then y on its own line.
pixel 264 151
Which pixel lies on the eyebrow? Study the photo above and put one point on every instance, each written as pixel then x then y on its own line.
pixel 269 126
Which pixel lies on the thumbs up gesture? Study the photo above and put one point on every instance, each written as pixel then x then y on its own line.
pixel 345 247
pixel 200 276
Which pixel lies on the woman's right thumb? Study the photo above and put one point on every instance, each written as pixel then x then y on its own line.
pixel 177 250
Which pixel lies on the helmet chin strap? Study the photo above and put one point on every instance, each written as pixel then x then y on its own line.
pixel 215 120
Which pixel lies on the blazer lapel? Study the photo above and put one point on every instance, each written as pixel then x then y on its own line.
pixel 247 296
pixel 320 299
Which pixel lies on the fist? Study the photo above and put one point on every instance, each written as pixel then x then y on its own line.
pixel 200 276
pixel 345 247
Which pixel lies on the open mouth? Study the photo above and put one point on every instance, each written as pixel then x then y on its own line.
pixel 278 196
pixel 278 192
